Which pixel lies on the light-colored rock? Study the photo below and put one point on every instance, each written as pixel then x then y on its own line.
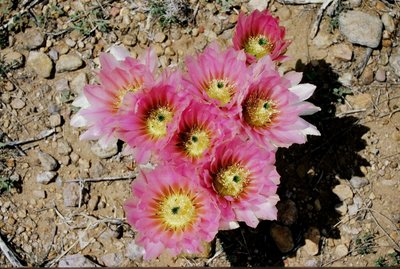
pixel 129 40
pixel 343 192
pixel 346 79
pixel 159 37
pixel 388 22
pixel 47 161
pixel 283 13
pixel 79 82
pixel 134 251
pixel 53 54
pixel 258 5
pixel 380 75
pixel 323 40
pixel 39 194
pixel 55 120
pixel 61 85
pixel 46 177
pixel 71 194
pixel 63 147
pixel 287 212
pixel 104 152
pixel 70 43
pixel 312 238
pixel 17 103
pixel 360 101
pixel 14 59
pixel 112 259
pixel 361 28
pixel 394 61
pixel 76 260
pixel 367 77
pixel 341 251
pixel 68 62
pixel 93 202
pixel 33 39
pixel 282 237
pixel 342 52
pixel 40 63
pixel 359 182
pixel 355 3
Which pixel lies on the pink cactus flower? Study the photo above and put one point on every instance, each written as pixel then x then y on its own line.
pixel 102 104
pixel 171 212
pixel 243 179
pixel 259 34
pixel 218 77
pixel 272 107
pixel 153 120
pixel 201 129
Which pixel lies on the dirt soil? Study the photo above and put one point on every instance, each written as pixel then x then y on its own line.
pixel 340 192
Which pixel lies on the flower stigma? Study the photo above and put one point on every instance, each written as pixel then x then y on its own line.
pixel 258 46
pixel 176 211
pixel 220 90
pixel 259 112
pixel 157 121
pixel 231 181
pixel 195 142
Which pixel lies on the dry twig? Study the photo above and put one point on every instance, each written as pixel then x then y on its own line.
pixel 321 10
pixel 301 2
pixel 9 254
pixel 40 136
pixel 102 179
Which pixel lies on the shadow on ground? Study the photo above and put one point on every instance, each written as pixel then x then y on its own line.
pixel 308 174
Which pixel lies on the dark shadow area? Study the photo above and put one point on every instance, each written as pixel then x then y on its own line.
pixel 308 174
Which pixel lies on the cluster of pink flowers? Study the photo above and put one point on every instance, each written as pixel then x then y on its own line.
pixel 211 131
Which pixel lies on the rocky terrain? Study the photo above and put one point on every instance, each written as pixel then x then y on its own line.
pixel 61 198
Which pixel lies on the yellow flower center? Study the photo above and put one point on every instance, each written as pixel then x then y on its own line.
pixel 259 112
pixel 196 142
pixel 119 97
pixel 157 121
pixel 231 181
pixel 220 90
pixel 258 46
pixel 177 211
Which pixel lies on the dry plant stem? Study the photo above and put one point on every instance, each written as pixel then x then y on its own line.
pixel 301 2
pixel 314 29
pixel 42 135
pixel 21 12
pixel 351 112
pixel 363 63
pixel 9 254
pixel 102 179
pixel 214 257
pixel 380 226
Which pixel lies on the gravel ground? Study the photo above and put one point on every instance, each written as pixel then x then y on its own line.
pixel 339 192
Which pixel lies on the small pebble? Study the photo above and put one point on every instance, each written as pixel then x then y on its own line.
pixel 358 182
pixel 46 177
pixel 47 161
pixel 341 251
pixel 17 103
pixel 39 194
pixel 55 120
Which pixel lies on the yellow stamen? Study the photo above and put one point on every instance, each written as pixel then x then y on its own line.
pixel 157 121
pixel 177 210
pixel 196 142
pixel 258 46
pixel 231 181
pixel 119 97
pixel 220 90
pixel 259 112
